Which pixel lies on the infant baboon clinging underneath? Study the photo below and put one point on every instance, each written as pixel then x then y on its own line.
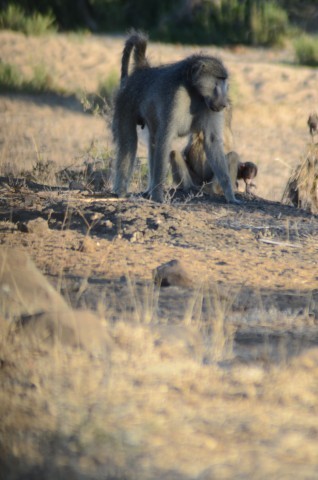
pixel 171 100
pixel 191 170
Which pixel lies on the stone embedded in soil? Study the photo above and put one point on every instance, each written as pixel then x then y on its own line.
pixel 172 273
pixel 87 245
pixel 38 226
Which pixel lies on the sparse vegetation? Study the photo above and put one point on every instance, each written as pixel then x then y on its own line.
pixel 228 22
pixel 12 79
pixel 100 103
pixel 108 85
pixel 257 22
pixel 302 187
pixel 269 24
pixel 15 18
pixel 306 50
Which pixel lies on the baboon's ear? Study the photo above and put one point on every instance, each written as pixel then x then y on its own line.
pixel 197 69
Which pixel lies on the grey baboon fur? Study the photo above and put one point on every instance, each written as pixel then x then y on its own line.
pixel 172 101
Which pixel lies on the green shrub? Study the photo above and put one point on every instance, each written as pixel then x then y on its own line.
pixel 228 22
pixel 10 77
pixel 41 80
pixel 15 18
pixel 12 80
pixel 269 24
pixel 100 102
pixel 306 50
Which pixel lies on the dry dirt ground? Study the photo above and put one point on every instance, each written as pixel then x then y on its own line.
pixel 217 380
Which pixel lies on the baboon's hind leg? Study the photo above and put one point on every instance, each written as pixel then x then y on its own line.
pixel 126 139
pixel 158 165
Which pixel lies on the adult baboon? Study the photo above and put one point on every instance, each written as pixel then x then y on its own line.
pixel 191 169
pixel 171 100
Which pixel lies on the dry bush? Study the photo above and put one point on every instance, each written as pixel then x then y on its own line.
pixel 302 187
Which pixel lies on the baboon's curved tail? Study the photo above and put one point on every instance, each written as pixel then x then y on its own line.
pixel 138 42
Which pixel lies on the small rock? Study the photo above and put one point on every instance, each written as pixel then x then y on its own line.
pixel 108 224
pixel 96 216
pixel 172 273
pixel 136 236
pixel 38 226
pixel 87 245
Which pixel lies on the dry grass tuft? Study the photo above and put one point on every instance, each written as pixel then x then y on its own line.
pixel 302 187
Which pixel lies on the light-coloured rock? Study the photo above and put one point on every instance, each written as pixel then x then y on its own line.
pixel 75 328
pixel 37 226
pixel 23 288
pixel 29 301
pixel 172 273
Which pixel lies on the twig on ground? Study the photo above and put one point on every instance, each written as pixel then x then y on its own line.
pixel 281 244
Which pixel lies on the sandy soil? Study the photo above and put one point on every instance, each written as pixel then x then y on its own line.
pixel 216 380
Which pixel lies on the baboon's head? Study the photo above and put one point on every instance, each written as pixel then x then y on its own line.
pixel 247 171
pixel 210 79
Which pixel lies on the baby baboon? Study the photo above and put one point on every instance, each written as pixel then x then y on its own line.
pixel 171 100
pixel 313 124
pixel 191 170
pixel 247 171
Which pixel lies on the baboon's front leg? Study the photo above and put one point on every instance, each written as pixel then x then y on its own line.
pixel 125 160
pixel 215 156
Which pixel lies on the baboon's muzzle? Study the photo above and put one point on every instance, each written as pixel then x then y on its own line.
pixel 215 106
